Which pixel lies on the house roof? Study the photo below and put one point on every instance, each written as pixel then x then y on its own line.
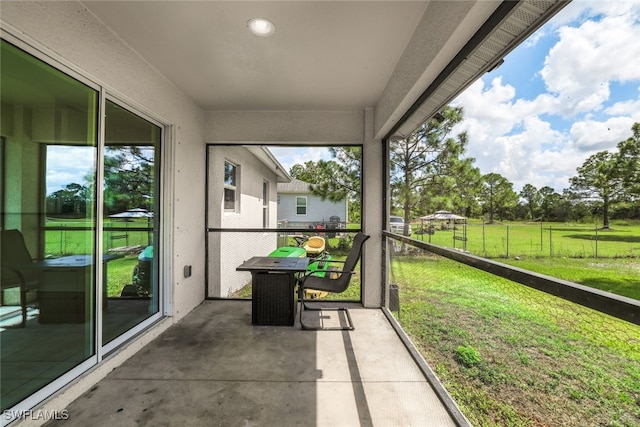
pixel 403 59
pixel 295 186
pixel 266 156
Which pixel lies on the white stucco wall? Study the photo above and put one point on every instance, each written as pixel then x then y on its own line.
pixel 310 127
pixel 372 213
pixel 228 250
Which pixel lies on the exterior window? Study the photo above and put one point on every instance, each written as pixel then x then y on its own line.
pixel 230 187
pixel 301 205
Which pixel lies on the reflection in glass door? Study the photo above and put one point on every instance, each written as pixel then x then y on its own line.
pixel 130 233
pixel 50 159
pixel 49 151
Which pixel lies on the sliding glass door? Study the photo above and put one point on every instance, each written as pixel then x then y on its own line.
pixel 130 233
pixel 50 139
pixel 79 220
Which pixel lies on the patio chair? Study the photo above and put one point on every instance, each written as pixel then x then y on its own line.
pixel 336 282
pixel 15 260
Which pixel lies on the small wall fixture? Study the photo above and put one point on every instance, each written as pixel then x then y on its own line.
pixel 261 27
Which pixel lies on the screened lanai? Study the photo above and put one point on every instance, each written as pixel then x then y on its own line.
pixel 171 111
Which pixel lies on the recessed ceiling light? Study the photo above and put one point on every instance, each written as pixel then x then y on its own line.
pixel 261 27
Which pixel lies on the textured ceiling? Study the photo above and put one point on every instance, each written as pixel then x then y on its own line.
pixel 405 59
pixel 324 55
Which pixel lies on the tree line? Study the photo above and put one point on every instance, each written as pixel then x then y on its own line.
pixel 128 182
pixel 430 171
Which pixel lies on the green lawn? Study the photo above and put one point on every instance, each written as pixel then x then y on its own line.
pixel 67 239
pixel 606 260
pixel 513 239
pixel 514 356
pixel 617 275
pixel 119 274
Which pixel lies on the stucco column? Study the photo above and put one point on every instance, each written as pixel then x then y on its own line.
pixel 372 213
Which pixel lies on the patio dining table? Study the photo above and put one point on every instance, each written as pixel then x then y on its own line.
pixel 273 282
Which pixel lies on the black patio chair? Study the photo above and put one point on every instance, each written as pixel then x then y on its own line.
pixel 15 260
pixel 333 280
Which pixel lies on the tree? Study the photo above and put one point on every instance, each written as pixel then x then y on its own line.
pixel 497 194
pixel 466 184
pixel 548 199
pixel 600 180
pixel 128 178
pixel 70 200
pixel 532 198
pixel 629 161
pixel 335 179
pixel 428 164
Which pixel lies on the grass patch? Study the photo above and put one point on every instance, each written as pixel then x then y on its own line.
pixel 119 274
pixel 606 260
pixel 467 356
pixel 514 356
pixel 511 239
pixel 69 237
pixel 620 275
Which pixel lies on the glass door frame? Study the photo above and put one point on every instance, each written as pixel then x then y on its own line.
pixel 160 259
pixel 164 244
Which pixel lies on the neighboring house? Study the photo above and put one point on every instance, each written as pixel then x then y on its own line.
pixel 298 206
pixel 241 194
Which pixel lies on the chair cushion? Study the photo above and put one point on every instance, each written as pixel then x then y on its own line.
pixel 314 245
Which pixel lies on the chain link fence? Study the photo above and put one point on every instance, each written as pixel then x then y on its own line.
pixel 535 240
pixel 511 355
pixel 69 238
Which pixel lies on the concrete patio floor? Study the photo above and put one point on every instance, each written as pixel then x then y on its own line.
pixel 214 368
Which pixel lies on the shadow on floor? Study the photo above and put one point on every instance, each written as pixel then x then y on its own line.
pixel 214 368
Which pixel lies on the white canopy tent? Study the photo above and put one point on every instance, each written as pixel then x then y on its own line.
pixel 449 221
pixel 133 213
pixel 442 215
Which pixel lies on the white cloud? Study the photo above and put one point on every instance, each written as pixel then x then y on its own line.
pixel 580 67
pixel 537 155
pixel 289 156
pixel 579 10
pixel 68 164
pixel 488 123
pixel 591 136
pixel 629 108
pixel 515 137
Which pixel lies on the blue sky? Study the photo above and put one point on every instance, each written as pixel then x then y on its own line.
pixel 569 91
